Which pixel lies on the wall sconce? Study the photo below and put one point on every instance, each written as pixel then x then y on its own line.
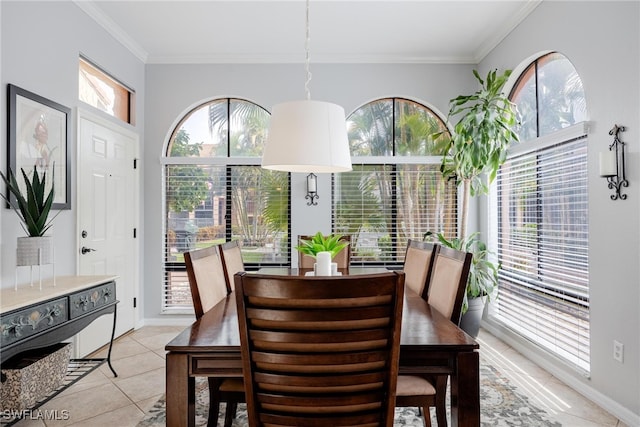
pixel 612 164
pixel 312 189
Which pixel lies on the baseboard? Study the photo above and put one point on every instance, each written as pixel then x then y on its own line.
pixel 167 321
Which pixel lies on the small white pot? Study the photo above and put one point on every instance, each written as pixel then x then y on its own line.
pixel 323 264
pixel 334 269
pixel 34 251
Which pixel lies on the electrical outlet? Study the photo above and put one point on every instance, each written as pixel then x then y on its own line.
pixel 618 351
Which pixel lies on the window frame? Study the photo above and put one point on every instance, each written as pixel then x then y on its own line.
pixel 395 160
pixel 540 146
pixel 228 162
pixel 126 95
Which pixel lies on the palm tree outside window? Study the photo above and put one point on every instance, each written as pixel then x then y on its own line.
pixel 395 191
pixel 216 191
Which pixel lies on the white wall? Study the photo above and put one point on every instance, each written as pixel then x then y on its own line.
pixel 602 40
pixel 41 44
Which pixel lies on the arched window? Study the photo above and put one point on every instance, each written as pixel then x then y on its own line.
pixel 540 212
pixel 549 96
pixel 216 191
pixel 395 191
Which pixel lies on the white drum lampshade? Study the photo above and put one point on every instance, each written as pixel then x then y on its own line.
pixel 307 136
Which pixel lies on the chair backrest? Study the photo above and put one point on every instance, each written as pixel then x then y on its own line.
pixel 232 261
pixel 418 263
pixel 320 350
pixel 342 258
pixel 206 278
pixel 449 281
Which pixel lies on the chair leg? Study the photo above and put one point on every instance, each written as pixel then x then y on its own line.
pixel 214 402
pixel 426 415
pixel 230 413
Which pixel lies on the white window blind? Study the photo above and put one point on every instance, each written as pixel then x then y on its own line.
pixel 382 206
pixel 211 204
pixel 542 223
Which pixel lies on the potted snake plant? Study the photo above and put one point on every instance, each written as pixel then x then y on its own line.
pixel 33 208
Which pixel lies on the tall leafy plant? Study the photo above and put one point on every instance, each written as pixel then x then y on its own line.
pixel 34 206
pixel 476 149
pixel 480 139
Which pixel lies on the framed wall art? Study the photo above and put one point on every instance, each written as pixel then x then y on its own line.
pixel 38 135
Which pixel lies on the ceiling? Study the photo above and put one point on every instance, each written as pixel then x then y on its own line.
pixel 341 31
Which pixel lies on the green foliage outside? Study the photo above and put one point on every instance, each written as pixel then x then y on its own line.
pixel 413 192
pixel 259 198
pixel 187 185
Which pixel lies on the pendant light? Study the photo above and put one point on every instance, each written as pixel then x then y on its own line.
pixel 307 136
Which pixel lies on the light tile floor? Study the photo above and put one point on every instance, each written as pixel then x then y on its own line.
pixel 99 399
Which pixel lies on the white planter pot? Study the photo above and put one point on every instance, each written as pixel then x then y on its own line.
pixel 323 264
pixel 334 269
pixel 34 251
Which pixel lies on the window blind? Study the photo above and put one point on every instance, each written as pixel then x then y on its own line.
pixel 542 217
pixel 211 204
pixel 382 206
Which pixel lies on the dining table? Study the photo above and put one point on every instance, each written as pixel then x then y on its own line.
pixel 429 344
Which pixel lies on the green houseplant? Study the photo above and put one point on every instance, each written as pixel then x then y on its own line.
pixel 320 243
pixel 473 154
pixel 33 208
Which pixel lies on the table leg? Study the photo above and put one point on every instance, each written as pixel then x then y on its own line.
pixel 180 391
pixel 465 391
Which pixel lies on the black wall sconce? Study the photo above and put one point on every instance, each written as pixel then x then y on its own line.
pixel 612 164
pixel 312 190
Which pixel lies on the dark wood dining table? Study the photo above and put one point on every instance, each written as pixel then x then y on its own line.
pixel 429 343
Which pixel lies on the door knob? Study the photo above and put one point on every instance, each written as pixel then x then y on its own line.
pixel 85 250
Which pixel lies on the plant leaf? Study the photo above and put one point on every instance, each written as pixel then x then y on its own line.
pixel 32 207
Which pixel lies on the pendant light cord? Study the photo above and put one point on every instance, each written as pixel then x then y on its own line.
pixel 306 48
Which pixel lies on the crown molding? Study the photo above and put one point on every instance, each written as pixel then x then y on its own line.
pixel 112 28
pixel 502 32
pixel 93 11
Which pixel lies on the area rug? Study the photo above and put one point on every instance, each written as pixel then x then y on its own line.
pixel 500 405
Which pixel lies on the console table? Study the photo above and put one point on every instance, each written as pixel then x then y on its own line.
pixel 34 317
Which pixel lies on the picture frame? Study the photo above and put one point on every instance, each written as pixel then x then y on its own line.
pixel 38 135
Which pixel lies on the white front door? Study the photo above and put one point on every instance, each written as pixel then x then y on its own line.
pixel 107 220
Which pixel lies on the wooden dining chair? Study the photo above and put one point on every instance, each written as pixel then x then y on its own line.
pixel 208 285
pixel 342 258
pixel 231 260
pixel 418 262
pixel 320 351
pixel 445 294
pixel 449 281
